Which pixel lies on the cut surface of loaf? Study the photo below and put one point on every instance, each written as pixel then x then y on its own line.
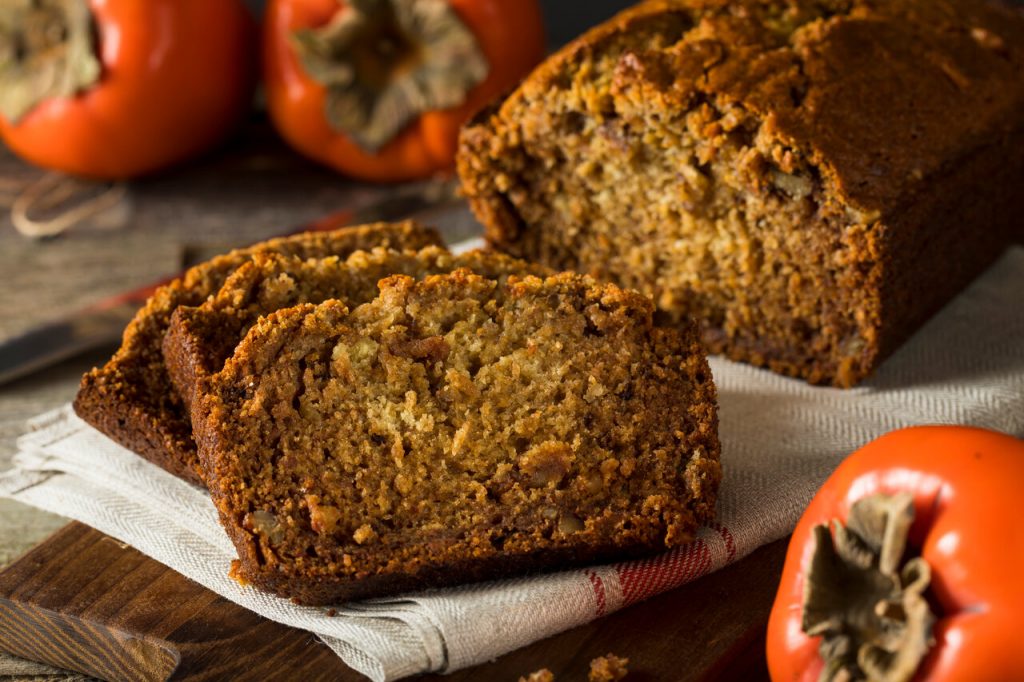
pixel 201 338
pixel 131 398
pixel 457 429
pixel 810 179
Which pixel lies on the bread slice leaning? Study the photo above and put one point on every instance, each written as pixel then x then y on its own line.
pixel 201 338
pixel 457 429
pixel 131 398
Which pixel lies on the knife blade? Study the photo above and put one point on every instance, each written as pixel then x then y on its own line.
pixel 102 323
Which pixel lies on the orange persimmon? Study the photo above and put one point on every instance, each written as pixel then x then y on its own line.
pixel 141 84
pixel 953 495
pixel 378 89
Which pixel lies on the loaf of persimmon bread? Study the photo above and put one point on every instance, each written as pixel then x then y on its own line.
pixel 811 179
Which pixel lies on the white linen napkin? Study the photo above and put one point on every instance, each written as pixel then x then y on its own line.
pixel 780 439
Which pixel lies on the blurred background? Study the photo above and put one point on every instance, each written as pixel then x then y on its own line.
pixel 250 158
pixel 565 19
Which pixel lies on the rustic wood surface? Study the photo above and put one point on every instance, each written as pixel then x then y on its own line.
pixel 252 189
pixel 84 601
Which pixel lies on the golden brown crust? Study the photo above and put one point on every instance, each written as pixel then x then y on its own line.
pixel 844 79
pixel 457 429
pixel 824 139
pixel 131 399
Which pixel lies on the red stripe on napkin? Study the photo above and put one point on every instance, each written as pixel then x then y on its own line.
pixel 599 594
pixel 730 542
pixel 648 577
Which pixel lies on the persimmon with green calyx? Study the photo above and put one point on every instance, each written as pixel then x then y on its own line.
pixel 114 89
pixel 907 564
pixel 378 89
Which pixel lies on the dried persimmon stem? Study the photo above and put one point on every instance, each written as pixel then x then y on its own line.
pixel 871 613
pixel 46 50
pixel 386 62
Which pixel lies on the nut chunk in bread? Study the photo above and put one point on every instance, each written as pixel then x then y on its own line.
pixel 810 179
pixel 457 429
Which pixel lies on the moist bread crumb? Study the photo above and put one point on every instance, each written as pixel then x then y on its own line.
pixel 131 399
pixel 200 339
pixel 457 429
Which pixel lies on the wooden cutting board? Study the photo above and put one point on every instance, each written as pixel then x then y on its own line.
pixel 85 602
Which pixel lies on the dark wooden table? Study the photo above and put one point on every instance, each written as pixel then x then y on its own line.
pixel 249 190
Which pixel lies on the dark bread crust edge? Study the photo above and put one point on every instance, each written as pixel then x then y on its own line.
pixel 326 591
pixel 110 400
pixel 159 432
pixel 703 478
pixel 133 426
pixel 183 356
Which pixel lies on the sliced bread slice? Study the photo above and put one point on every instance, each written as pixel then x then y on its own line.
pixel 201 338
pixel 457 429
pixel 131 398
